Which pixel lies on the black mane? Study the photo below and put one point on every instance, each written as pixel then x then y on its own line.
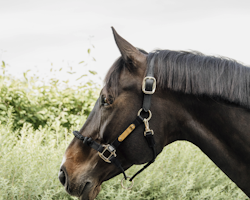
pixel 193 73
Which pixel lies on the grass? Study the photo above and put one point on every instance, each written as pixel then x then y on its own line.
pixel 30 160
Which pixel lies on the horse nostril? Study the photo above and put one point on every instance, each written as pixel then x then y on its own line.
pixel 62 177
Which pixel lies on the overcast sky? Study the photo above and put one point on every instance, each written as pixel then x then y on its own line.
pixel 45 34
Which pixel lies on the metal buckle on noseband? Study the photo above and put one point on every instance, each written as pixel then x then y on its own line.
pixel 144 85
pixel 110 149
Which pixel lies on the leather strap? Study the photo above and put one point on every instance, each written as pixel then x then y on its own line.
pixel 151 143
pixel 148 86
pixel 117 163
pixel 137 122
pixel 89 142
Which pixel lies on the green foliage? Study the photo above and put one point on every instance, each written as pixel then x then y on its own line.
pixel 39 103
pixel 29 162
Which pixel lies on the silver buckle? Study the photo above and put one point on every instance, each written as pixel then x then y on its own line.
pixel 110 149
pixel 144 85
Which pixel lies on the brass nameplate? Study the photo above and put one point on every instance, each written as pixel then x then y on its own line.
pixel 126 132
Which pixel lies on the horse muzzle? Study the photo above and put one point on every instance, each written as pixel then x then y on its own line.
pixel 84 189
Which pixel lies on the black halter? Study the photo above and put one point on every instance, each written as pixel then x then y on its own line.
pixel 108 152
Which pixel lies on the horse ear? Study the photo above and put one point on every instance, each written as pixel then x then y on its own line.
pixel 128 51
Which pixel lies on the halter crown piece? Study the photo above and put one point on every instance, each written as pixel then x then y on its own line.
pixel 108 151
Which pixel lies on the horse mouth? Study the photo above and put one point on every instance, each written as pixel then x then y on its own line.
pixel 85 191
pixel 88 193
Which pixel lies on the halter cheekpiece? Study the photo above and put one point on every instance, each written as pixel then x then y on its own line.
pixel 108 151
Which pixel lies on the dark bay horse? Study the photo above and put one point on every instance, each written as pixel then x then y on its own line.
pixel 198 98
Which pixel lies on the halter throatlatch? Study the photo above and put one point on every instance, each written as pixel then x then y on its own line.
pixel 108 151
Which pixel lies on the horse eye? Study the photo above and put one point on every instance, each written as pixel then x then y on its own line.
pixel 106 101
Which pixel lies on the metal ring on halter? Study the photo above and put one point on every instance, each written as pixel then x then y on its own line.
pixel 127 188
pixel 150 114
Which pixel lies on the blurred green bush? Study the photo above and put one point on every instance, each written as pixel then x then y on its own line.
pixel 41 103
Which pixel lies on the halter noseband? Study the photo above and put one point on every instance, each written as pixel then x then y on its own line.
pixel 108 152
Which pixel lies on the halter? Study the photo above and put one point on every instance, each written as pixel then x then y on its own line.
pixel 108 151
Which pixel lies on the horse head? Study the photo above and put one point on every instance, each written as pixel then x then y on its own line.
pixel 83 170
pixel 202 99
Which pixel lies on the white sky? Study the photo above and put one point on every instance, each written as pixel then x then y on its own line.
pixel 34 34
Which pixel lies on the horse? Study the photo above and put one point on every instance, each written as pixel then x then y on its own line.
pixel 150 100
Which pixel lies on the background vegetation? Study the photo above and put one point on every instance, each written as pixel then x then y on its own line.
pixel 40 103
pixel 37 119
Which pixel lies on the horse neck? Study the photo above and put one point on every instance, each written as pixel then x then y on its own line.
pixel 220 130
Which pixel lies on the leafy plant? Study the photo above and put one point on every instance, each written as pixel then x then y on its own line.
pixel 41 103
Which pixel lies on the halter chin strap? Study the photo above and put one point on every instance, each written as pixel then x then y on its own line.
pixel 108 152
